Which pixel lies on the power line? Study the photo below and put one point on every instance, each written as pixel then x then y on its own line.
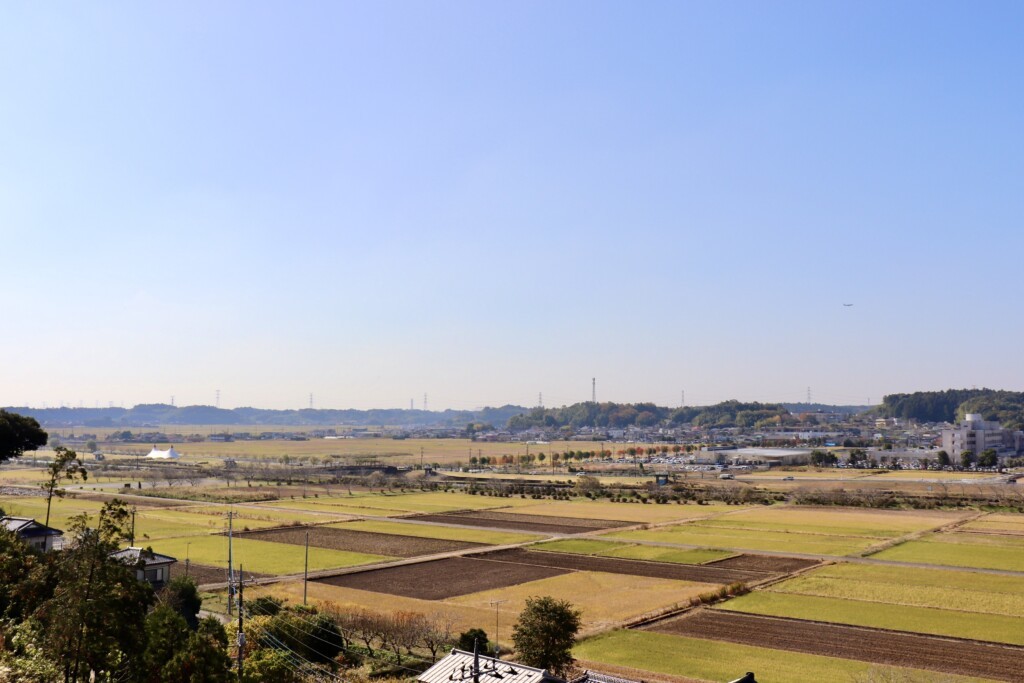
pixel 351 636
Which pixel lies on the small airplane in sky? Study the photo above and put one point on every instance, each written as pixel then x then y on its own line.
pixel 847 305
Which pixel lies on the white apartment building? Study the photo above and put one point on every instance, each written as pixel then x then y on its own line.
pixel 977 435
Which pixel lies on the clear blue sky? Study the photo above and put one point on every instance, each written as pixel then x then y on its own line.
pixel 483 201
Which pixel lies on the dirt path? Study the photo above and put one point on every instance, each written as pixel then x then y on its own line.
pixel 895 648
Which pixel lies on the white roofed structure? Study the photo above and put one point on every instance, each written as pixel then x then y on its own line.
pixel 169 454
pixel 460 666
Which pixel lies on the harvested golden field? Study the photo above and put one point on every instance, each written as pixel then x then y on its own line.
pixel 996 523
pixel 389 451
pixel 605 599
pixel 838 521
pixel 641 514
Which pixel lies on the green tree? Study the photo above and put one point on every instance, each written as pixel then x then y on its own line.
pixel 19 434
pixel 310 635
pixel 265 604
pixel 182 595
pixel 943 459
pixel 467 638
pixel 166 633
pixel 269 664
pixel 967 459
pixel 65 467
pixel 16 563
pixel 988 458
pixel 823 458
pixel 202 659
pixel 95 622
pixel 545 633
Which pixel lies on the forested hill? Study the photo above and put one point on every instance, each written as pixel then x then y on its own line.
pixel 618 415
pixel 164 414
pixel 952 404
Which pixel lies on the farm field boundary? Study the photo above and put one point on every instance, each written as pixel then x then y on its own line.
pixel 521 522
pixel 441 579
pixel 661 570
pixel 370 542
pixel 953 656
pixel 719 660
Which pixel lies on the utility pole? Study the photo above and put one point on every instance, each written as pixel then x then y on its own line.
pixel 305 572
pixel 593 390
pixel 421 457
pixel 497 649
pixel 132 541
pixel 241 631
pixel 231 571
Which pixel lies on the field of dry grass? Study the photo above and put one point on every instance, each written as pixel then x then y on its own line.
pixel 391 451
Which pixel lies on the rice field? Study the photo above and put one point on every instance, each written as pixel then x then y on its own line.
pixel 405 503
pixel 446 533
pixel 641 514
pixel 932 601
pixel 899 617
pixel 710 660
pixel 61 510
pixel 632 551
pixel 390 451
pixel 980 551
pixel 262 557
pixel 810 530
pixel 605 600
pixel 705 536
pixel 879 524
pixel 995 523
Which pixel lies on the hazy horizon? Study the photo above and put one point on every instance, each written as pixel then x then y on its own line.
pixel 484 202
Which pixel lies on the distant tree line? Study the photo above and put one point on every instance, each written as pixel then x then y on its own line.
pixel 622 415
pixel 951 405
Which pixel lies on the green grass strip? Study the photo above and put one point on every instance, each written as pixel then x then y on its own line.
pixel 939 622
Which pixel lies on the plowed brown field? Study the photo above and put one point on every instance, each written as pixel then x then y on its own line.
pixel 948 655
pixel 442 579
pixel 539 524
pixel 360 541
pixel 613 565
pixel 204 573
pixel 773 564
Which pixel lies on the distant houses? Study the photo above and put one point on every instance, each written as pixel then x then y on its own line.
pixel 39 536
pixel 151 567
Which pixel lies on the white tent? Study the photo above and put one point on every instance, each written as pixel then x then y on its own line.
pixel 170 453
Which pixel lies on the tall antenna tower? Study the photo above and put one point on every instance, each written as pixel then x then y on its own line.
pixel 217 403
pixel 682 398
pixel 593 390
pixel 808 394
pixel 424 400
pixel 410 404
pixel 172 400
pixel 540 399
pixel 311 400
